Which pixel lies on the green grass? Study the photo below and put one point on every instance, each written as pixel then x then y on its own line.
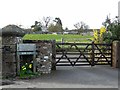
pixel 59 37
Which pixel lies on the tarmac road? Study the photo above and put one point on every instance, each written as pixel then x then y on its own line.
pixel 73 77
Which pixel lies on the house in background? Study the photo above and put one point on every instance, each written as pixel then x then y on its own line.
pixel 75 31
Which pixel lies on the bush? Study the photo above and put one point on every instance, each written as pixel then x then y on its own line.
pixel 26 71
pixel 113 30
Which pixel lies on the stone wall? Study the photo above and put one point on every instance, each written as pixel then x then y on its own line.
pixel 44 55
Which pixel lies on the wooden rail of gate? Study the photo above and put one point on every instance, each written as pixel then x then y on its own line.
pixel 77 54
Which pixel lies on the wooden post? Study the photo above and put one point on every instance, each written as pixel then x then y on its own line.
pixel 92 64
pixel 34 62
pixel 115 53
pixel 53 55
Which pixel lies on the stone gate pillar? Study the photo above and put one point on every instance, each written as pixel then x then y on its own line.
pixel 11 35
pixel 115 54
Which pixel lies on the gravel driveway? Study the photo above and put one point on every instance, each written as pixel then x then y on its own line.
pixel 73 77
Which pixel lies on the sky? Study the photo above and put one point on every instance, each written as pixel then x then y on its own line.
pixel 25 12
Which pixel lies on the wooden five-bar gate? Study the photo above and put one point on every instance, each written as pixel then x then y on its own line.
pixel 77 54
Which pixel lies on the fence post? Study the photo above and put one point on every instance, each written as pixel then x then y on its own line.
pixel 115 53
pixel 92 64
pixel 53 55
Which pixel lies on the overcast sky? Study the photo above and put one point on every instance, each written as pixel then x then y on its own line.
pixel 25 12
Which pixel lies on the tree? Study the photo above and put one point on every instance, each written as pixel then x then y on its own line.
pixel 81 27
pixel 58 21
pixel 37 26
pixel 54 28
pixel 42 24
pixel 107 22
pixel 57 27
pixel 66 29
pixel 46 21
pixel 113 30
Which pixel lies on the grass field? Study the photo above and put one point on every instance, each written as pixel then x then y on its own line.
pixel 59 37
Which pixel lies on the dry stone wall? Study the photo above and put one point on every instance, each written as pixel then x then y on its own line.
pixel 44 55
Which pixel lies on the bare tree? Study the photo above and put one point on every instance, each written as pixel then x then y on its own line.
pixel 81 26
pixel 46 21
